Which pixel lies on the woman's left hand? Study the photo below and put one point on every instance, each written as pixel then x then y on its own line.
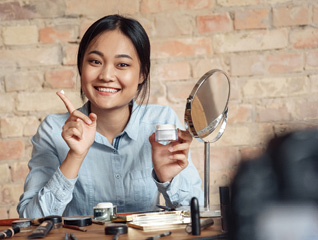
pixel 169 160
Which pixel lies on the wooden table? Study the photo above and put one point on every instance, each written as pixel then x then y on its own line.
pixel 96 231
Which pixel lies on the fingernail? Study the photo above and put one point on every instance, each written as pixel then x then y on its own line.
pixel 62 91
pixel 170 149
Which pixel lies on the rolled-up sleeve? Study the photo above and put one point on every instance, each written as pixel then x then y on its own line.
pixel 46 190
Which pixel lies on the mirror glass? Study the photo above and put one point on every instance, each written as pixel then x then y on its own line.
pixel 206 109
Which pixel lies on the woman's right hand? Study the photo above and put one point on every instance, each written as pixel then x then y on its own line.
pixel 79 130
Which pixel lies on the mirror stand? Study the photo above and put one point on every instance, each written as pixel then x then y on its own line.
pixel 205 118
pixel 206 211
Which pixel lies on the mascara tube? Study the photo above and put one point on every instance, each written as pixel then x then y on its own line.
pixel 225 207
pixel 9 232
pixel 195 216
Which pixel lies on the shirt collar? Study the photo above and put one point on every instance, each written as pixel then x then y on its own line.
pixel 133 125
pixel 132 128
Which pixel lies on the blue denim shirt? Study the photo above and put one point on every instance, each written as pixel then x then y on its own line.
pixel 121 173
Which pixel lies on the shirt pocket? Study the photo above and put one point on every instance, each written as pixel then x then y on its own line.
pixel 143 185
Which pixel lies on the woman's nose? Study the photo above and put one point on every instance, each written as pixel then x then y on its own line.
pixel 107 73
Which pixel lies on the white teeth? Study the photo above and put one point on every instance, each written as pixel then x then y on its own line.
pixel 110 90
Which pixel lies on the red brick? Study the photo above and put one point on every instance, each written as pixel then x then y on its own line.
pixel 315 15
pixel 181 48
pixel 70 54
pixel 60 78
pixel 18 126
pixel 240 113
pixel 20 35
pixel 13 211
pixel 100 8
pixel 46 102
pixel 155 6
pixel 251 19
pixel 312 60
pixel 232 3
pixel 250 153
pixel 10 194
pixel 273 112
pixel 290 16
pixel 275 87
pixel 7 102
pixel 4 173
pixel 224 158
pixel 201 66
pixel 285 62
pixel 246 135
pixel 314 83
pixel 178 90
pixel 11 127
pixel 3 212
pixel 14 11
pixel 48 8
pixel 250 40
pixel 63 33
pixel 307 108
pixel 30 57
pixel 306 38
pixel 214 23
pixel 171 25
pixel 197 156
pixel 284 128
pixel 236 92
pixel 254 64
pixel 32 80
pixel 19 171
pixel 171 71
pixel 247 64
pixel 11 149
pixel 157 91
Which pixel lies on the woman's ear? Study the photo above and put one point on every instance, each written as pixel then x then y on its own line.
pixel 141 79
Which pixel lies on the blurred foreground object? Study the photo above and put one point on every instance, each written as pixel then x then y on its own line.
pixel 276 195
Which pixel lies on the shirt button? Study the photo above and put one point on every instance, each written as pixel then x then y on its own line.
pixel 117 176
pixel 114 151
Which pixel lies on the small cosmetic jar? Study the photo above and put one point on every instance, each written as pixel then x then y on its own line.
pixel 105 211
pixel 166 133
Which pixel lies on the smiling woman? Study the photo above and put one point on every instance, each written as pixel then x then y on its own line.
pixel 106 150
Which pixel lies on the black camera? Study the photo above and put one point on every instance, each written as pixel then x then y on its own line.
pixel 275 186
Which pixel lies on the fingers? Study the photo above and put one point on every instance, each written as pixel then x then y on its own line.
pixel 72 110
pixel 73 129
pixel 68 104
pixel 184 136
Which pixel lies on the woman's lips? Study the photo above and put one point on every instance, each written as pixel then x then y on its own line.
pixel 107 90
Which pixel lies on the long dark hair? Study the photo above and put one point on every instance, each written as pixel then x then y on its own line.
pixel 138 36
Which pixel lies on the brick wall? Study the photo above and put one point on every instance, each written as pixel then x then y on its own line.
pixel 268 47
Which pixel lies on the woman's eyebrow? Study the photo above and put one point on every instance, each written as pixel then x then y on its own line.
pixel 96 52
pixel 123 56
pixel 116 56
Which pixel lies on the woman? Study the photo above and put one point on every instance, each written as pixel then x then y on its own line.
pixel 106 150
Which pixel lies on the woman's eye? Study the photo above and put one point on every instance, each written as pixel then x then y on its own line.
pixel 95 61
pixel 123 65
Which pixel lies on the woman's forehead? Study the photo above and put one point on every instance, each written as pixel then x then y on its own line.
pixel 112 42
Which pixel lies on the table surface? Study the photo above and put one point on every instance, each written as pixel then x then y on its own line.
pixel 96 231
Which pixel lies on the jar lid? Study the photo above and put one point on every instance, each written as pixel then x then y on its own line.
pixel 104 205
pixel 166 127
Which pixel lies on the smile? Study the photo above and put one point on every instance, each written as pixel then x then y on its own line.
pixel 108 90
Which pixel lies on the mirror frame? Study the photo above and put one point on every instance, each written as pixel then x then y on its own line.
pixel 212 126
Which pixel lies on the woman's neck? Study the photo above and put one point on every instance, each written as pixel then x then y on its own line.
pixel 112 122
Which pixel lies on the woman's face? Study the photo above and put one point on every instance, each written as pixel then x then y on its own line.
pixel 110 71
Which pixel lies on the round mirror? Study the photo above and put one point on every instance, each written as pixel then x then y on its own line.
pixel 206 108
pixel 206 117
